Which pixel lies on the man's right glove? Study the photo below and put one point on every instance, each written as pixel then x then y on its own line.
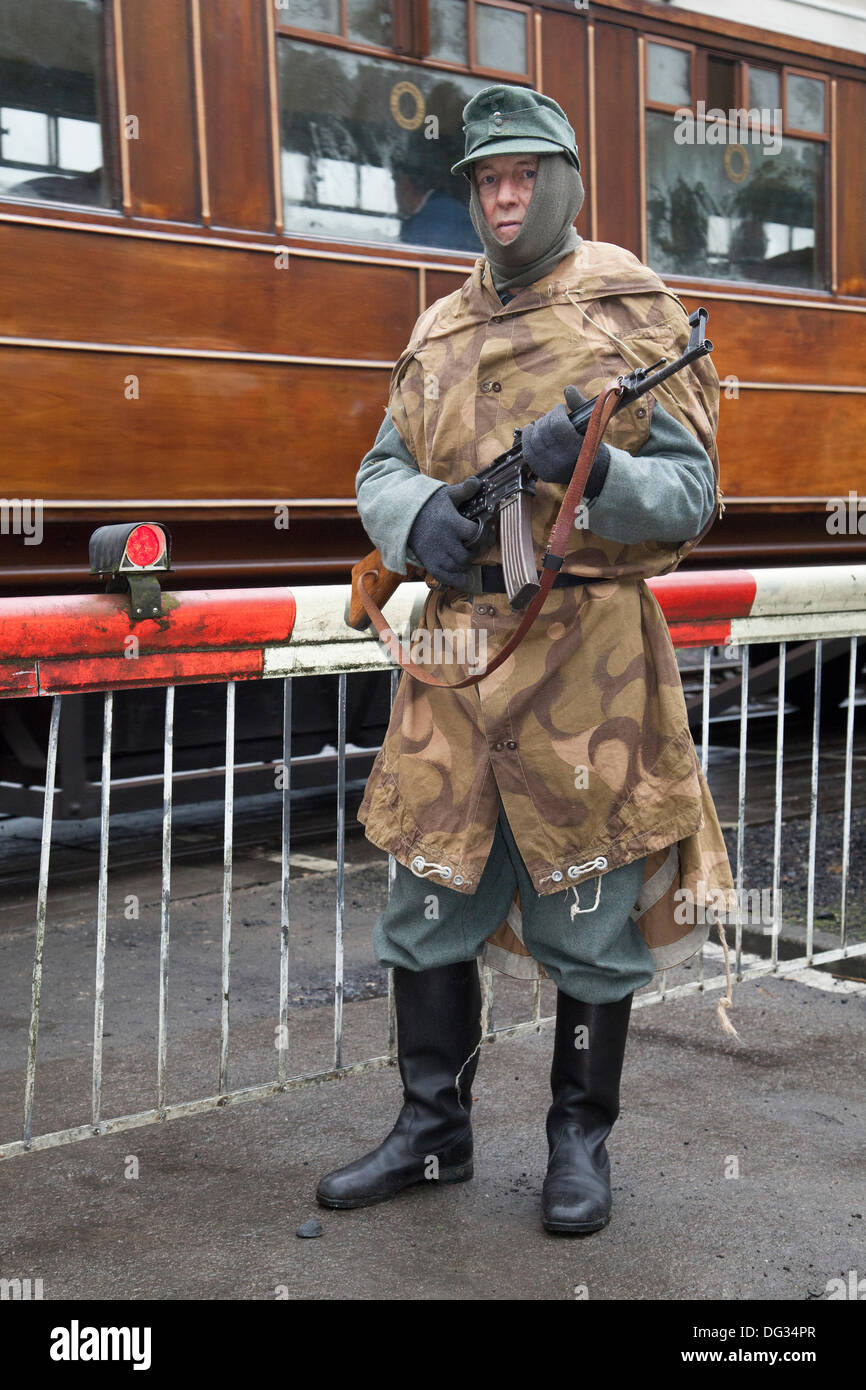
pixel 439 533
pixel 551 445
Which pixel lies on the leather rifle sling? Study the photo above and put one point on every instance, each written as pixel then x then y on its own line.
pixel 604 408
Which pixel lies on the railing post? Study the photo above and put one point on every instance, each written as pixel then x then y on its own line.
pixel 41 911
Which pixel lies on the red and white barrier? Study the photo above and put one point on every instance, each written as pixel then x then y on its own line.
pixel 76 643
pixel 702 607
pixel 52 646
pixel 715 607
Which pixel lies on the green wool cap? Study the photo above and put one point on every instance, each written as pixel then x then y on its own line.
pixel 514 120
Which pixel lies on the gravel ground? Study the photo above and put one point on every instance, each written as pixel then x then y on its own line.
pixel 793 880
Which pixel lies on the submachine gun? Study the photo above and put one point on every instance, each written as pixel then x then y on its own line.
pixel 506 492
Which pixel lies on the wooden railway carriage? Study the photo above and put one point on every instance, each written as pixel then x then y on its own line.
pixel 221 218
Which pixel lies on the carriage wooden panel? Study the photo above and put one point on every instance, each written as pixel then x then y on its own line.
pixel 782 341
pixel 616 178
pixel 159 60
pixel 439 283
pixel 851 180
pixel 199 428
pixel 59 284
pixel 565 74
pixel 777 444
pixel 235 106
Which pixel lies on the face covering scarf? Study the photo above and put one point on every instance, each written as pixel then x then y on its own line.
pixel 547 233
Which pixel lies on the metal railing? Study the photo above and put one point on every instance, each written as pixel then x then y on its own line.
pixel 732 609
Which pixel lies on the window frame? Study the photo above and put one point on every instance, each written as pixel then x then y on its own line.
pixel 741 84
pixel 419 8
pixel 476 67
pixel 824 135
pixel 105 79
pixel 824 230
pixel 690 48
pixel 415 20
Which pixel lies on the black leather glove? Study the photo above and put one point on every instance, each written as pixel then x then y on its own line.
pixel 439 533
pixel 551 446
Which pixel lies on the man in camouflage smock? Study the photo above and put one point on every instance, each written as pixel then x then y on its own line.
pixel 546 817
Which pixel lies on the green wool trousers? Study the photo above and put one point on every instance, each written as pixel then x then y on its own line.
pixel 595 956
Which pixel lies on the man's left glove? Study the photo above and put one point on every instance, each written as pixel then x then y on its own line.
pixel 551 446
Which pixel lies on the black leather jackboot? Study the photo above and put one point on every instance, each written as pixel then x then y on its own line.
pixel 438 1035
pixel 584 1080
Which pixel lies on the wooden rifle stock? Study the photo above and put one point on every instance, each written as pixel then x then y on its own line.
pixel 385 584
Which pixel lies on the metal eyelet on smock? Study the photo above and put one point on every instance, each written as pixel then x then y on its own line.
pixel 575 870
pixel 423 868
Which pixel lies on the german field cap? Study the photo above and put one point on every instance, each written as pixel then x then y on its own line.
pixel 514 120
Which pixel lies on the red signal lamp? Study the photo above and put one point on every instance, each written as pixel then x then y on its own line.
pixel 145 547
pixel 132 557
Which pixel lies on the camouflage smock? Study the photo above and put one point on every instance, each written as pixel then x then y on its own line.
pixel 583 732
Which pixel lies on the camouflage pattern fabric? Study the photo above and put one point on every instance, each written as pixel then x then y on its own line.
pixel 583 732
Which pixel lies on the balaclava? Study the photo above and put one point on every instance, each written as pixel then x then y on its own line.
pixel 547 233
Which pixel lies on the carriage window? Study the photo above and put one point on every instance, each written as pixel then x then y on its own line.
pixel 805 99
pixel 449 36
pixel 669 71
pixel 321 15
pixel 737 193
pixel 51 103
pixel 478 35
pixel 369 21
pixel 500 39
pixel 367 148
pixel 765 89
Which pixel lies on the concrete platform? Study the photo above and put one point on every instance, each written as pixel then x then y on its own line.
pixel 214 1209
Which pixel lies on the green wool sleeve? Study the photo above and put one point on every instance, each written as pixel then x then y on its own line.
pixel 391 490
pixel 664 492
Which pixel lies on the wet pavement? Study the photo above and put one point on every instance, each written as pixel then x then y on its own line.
pixel 737 1171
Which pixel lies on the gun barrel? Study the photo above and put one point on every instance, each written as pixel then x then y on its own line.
pixel 646 379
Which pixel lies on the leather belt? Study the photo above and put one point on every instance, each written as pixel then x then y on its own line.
pixel 492 579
